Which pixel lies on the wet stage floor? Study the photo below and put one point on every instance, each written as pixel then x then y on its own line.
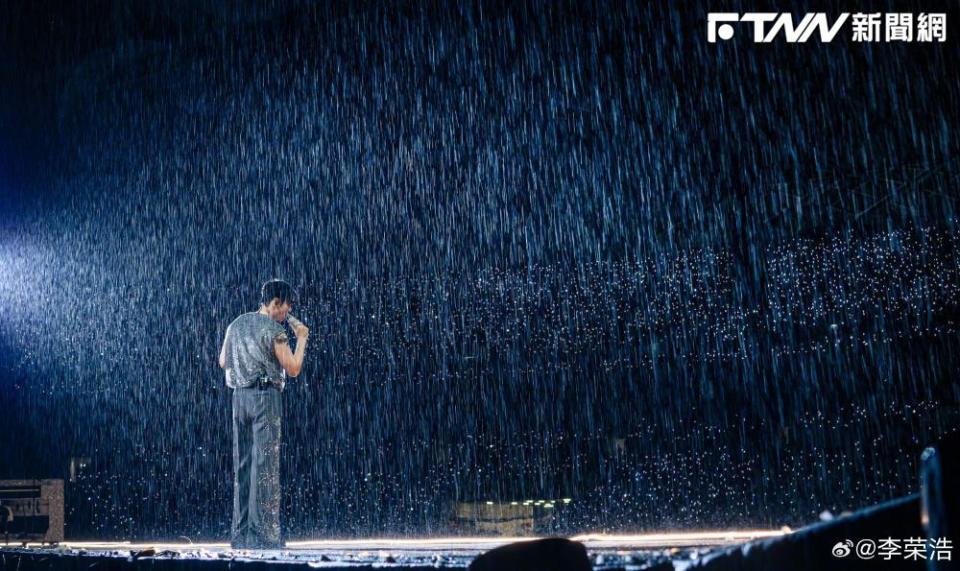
pixel 606 551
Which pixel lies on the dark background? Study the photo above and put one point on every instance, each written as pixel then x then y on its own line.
pixel 545 250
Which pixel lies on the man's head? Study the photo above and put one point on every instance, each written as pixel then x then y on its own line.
pixel 276 299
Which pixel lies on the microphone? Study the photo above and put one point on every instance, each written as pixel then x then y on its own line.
pixel 294 322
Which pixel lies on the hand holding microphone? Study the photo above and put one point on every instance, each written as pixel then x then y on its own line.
pixel 299 329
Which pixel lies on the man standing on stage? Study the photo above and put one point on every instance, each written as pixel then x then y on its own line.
pixel 256 358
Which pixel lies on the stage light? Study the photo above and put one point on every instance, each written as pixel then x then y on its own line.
pixel 591 540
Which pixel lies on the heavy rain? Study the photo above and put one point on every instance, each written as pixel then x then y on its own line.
pixel 569 255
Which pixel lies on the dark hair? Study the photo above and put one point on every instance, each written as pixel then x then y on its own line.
pixel 277 288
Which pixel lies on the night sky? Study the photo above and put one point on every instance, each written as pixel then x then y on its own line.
pixel 545 250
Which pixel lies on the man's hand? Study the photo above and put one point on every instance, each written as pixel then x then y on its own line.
pixel 299 329
pixel 292 362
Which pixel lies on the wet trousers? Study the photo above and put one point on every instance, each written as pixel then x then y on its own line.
pixel 256 468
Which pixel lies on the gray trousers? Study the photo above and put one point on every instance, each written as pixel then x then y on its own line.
pixel 256 468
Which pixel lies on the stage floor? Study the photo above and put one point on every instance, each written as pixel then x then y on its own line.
pixel 606 551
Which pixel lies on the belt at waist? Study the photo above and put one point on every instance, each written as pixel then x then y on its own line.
pixel 263 384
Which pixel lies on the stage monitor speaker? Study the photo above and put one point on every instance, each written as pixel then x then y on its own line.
pixel 31 510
